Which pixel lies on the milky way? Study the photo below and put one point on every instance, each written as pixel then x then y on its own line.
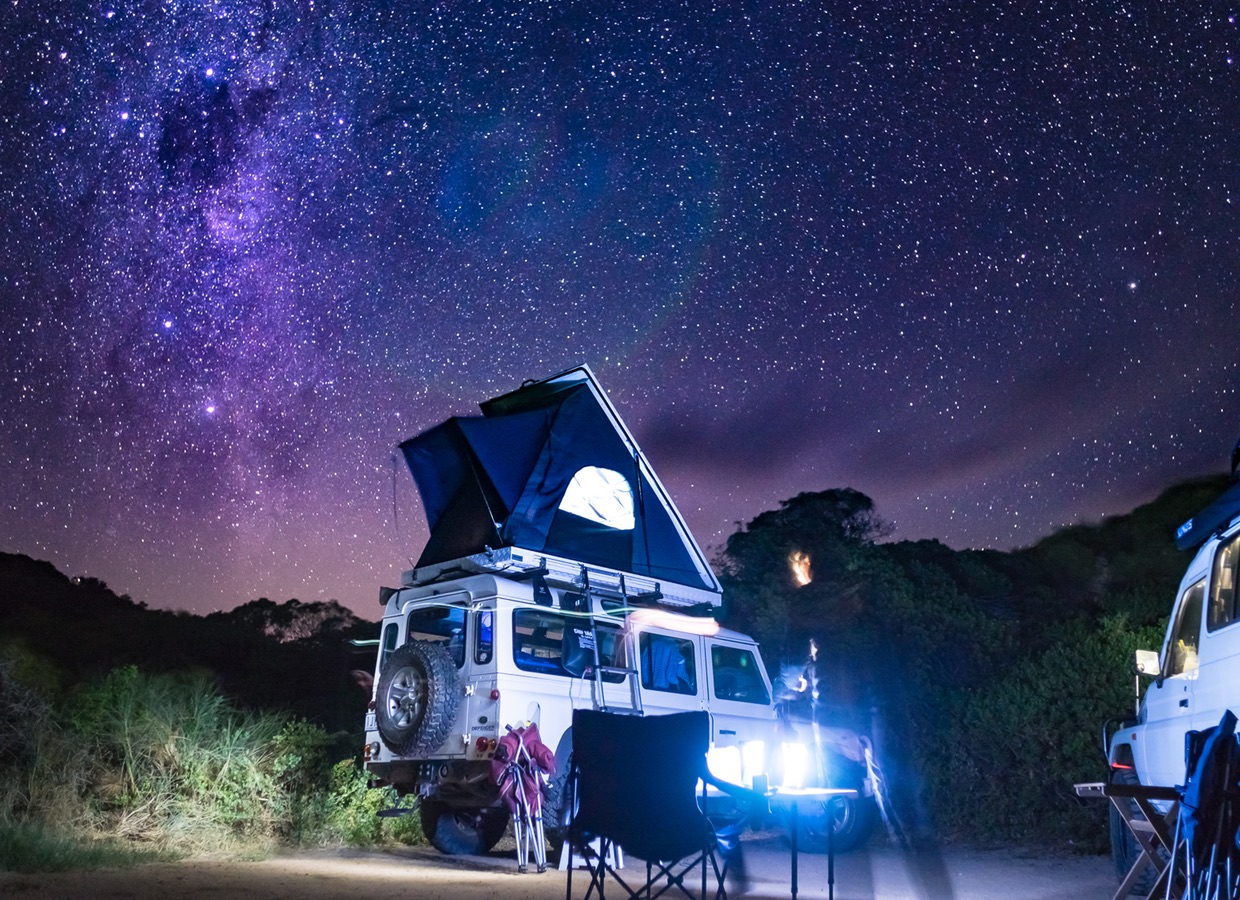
pixel 976 260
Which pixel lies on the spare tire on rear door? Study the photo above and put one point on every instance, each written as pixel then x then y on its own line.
pixel 417 698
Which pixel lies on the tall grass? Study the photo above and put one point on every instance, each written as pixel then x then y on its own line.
pixel 166 763
pixel 34 848
pixel 172 763
pixel 42 766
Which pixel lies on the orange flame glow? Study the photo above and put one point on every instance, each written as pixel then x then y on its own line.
pixel 798 562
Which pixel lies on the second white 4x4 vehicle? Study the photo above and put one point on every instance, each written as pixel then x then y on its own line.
pixel 1197 673
pixel 559 575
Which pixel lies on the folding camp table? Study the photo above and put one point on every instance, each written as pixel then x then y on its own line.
pixel 791 798
pixel 1154 831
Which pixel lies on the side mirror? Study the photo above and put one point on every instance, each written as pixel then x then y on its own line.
pixel 1147 663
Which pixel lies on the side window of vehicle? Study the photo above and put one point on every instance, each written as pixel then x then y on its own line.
pixel 736 675
pixel 1182 647
pixel 389 643
pixel 667 664
pixel 553 644
pixel 439 625
pixel 1222 610
pixel 484 637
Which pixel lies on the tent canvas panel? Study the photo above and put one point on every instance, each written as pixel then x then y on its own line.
pixel 507 450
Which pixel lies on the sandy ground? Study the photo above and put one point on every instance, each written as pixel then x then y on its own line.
pixel 423 874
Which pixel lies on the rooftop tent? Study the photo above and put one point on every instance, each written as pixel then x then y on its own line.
pixel 551 468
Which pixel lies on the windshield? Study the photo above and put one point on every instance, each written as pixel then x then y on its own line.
pixel 736 675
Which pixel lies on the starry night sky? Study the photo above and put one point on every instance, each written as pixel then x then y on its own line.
pixel 977 260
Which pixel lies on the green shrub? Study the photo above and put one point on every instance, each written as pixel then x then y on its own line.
pixel 1009 753
pixel 302 772
pixel 167 763
pixel 353 810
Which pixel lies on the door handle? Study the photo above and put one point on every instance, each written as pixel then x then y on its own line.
pixel 1184 703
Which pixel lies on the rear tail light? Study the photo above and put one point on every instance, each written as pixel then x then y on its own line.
pixel 481 745
pixel 494 693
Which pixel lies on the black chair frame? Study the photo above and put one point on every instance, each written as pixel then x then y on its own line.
pixel 633 784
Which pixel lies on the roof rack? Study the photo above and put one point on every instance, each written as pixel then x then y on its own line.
pixel 520 564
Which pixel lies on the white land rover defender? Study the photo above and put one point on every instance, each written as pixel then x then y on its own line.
pixel 559 575
pixel 1197 673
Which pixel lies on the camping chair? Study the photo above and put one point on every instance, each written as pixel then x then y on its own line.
pixel 633 782
pixel 1206 833
pixel 520 767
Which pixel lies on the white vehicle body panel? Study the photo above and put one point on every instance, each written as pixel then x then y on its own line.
pixel 1195 686
pixel 550 699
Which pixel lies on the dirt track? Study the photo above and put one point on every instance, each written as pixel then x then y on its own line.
pixel 422 874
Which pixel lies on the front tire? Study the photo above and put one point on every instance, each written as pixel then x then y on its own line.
pixel 555 816
pixel 462 832
pixel 852 821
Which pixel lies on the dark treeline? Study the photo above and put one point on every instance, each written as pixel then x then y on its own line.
pixel 291 656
